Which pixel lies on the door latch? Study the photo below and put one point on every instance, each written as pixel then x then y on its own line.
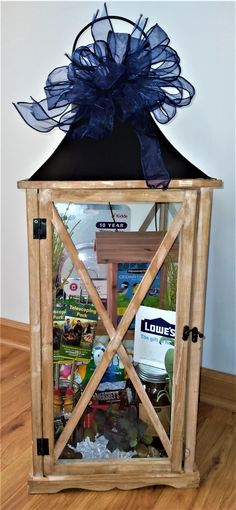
pixel 195 334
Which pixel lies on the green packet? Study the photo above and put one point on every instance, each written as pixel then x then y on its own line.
pixel 72 353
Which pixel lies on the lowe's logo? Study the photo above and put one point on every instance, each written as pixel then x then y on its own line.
pixel 158 327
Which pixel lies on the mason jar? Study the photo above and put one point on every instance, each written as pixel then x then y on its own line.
pixel 154 381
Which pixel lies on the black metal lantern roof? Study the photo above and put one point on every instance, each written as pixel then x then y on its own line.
pixel 116 157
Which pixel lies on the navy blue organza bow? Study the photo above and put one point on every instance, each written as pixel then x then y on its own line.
pixel 119 76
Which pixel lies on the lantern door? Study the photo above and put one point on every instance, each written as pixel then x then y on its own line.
pixel 115 281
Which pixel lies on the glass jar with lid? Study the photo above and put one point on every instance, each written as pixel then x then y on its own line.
pixel 155 382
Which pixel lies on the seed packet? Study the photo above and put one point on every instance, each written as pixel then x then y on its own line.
pixel 129 277
pixel 73 330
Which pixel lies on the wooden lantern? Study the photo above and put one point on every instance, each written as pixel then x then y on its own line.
pixel 189 232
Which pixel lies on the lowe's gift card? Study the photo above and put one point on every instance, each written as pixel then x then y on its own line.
pixel 154 335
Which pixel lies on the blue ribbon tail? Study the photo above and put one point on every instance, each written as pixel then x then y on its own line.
pixel 154 170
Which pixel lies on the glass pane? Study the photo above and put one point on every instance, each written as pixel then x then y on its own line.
pixel 116 243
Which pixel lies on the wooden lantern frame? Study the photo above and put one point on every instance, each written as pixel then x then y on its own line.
pixel 192 225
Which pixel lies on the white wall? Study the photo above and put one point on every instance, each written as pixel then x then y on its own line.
pixel 35 37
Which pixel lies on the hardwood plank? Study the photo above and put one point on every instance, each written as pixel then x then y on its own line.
pixel 200 252
pixel 94 195
pixel 112 275
pixel 54 484
pixel 140 499
pixel 216 483
pixel 16 471
pixel 35 326
pixel 121 247
pixel 9 370
pixel 75 185
pixel 68 499
pixel 183 300
pixel 171 499
pixel 46 305
pixel 8 406
pixel 13 435
pixel 100 467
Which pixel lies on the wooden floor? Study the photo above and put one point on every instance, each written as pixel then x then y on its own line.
pixel 215 458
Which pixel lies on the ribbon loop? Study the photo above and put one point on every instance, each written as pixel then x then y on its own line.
pixel 121 76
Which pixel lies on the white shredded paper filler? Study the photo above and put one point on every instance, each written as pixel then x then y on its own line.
pixel 98 450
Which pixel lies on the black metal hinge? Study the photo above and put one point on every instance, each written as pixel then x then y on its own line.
pixel 39 228
pixel 42 446
pixel 195 334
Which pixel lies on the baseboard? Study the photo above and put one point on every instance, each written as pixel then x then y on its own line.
pixel 216 388
pixel 15 334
